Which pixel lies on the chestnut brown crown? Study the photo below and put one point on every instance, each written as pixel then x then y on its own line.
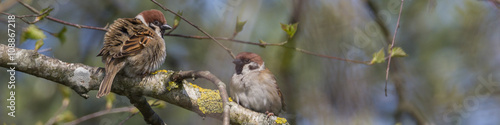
pixel 154 17
pixel 247 57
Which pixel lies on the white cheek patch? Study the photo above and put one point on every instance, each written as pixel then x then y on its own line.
pixel 246 67
pixel 140 17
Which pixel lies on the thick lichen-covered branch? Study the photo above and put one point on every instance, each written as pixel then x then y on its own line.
pixel 83 78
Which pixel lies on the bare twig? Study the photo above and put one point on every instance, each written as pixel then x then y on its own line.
pixel 404 106
pixel 273 44
pixel 228 39
pixel 76 25
pixel 220 44
pixel 101 113
pixel 392 45
pixel 60 21
pixel 209 76
pixel 23 17
pixel 130 116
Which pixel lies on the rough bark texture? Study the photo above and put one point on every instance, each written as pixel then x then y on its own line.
pixel 83 78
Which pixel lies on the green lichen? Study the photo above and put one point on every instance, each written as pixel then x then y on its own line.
pixel 280 120
pixel 209 100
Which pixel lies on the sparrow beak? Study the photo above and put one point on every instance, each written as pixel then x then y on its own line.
pixel 165 27
pixel 237 61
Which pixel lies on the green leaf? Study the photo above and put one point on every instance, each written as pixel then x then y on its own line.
pixel 239 25
pixel 177 19
pixel 290 29
pixel 378 57
pixel 45 12
pixel 38 44
pixel 284 27
pixel 398 52
pixel 32 32
pixel 293 29
pixel 61 36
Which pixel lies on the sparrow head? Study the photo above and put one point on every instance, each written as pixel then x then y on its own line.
pixel 247 62
pixel 154 19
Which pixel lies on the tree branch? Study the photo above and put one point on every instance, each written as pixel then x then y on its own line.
pixel 83 78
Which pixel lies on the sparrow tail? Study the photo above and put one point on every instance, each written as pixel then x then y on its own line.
pixel 111 71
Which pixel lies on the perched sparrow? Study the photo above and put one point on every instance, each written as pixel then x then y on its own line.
pixel 253 86
pixel 134 46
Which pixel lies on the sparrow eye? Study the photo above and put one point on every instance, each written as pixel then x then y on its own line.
pixel 246 61
pixel 156 23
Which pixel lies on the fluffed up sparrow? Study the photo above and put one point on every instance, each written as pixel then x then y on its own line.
pixel 253 86
pixel 133 46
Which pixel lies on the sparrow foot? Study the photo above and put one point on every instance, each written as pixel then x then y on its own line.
pixel 269 114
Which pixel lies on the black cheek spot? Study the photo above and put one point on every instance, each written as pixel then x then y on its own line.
pixel 252 67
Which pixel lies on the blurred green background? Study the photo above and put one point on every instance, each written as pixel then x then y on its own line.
pixel 449 77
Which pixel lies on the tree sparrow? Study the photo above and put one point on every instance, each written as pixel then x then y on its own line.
pixel 253 86
pixel 134 46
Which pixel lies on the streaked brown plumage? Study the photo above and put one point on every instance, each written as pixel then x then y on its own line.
pixel 253 86
pixel 134 46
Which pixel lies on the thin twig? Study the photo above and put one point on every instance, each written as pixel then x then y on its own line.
pixel 60 21
pixel 392 45
pixel 228 39
pixel 22 16
pixel 76 25
pixel 45 50
pixel 273 44
pixel 130 116
pixel 220 44
pixel 101 113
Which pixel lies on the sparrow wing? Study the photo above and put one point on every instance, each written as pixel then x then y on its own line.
pixel 269 79
pixel 126 37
